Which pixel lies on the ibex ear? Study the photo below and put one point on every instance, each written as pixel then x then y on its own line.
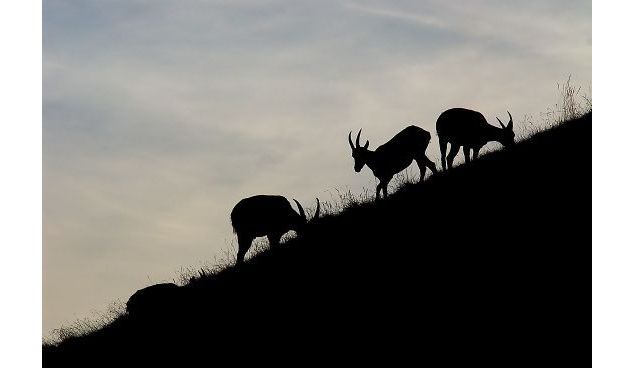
pixel 366 145
pixel 501 123
pixel 317 210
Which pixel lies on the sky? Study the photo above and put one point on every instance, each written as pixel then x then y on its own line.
pixel 159 116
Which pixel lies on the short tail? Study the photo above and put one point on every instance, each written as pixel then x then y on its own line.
pixel 231 221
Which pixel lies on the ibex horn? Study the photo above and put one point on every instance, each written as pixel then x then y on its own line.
pixel 511 121
pixel 357 140
pixel 500 122
pixel 302 214
pixel 350 141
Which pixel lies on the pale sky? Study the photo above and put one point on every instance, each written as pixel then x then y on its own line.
pixel 158 116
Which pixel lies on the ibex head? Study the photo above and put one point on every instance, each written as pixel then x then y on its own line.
pixel 507 132
pixel 303 221
pixel 360 154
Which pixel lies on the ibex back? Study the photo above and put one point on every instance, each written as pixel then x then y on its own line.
pixel 266 215
pixel 393 156
pixel 468 128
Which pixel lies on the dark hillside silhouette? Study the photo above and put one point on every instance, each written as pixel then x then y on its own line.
pixel 487 264
pixel 393 156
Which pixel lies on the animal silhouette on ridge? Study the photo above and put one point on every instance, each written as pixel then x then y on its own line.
pixel 468 128
pixel 266 215
pixel 393 156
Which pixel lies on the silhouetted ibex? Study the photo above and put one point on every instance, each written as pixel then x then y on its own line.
pixel 266 215
pixel 468 128
pixel 393 156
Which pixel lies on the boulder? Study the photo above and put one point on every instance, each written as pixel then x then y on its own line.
pixel 154 300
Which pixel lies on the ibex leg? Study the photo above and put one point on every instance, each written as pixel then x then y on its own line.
pixel 466 153
pixel 444 146
pixel 244 242
pixel 429 164
pixel 423 163
pixel 422 169
pixel 454 149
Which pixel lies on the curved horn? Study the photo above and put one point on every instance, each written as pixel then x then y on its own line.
pixel 357 139
pixel 350 141
pixel 317 210
pixel 511 121
pixel 302 215
pixel 500 122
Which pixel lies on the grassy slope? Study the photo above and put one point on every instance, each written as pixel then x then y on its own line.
pixel 488 263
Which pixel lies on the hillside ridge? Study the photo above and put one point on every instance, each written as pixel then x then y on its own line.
pixel 486 263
